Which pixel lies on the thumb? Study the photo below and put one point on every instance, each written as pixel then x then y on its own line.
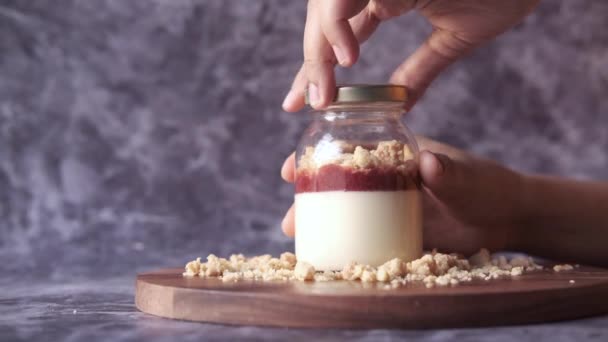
pixel 428 61
pixel 446 178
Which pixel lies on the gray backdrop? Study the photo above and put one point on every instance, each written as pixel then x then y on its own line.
pixel 141 133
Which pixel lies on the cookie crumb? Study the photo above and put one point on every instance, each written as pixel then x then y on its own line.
pixel 432 269
pixel 386 154
pixel 517 271
pixel 288 259
pixel 563 268
pixel 304 271
pixel 480 258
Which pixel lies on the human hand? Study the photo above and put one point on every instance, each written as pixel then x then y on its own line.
pixel 335 29
pixel 469 202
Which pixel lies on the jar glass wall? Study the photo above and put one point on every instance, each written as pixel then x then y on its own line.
pixel 357 185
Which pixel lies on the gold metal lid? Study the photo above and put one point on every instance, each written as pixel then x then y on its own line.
pixel 353 93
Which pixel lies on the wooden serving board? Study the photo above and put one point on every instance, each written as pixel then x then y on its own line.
pixel 532 298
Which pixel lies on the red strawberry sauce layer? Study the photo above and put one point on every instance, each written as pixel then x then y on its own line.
pixel 333 177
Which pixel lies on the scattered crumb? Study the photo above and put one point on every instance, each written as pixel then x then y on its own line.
pixel 517 271
pixel 230 277
pixel 193 267
pixel 521 261
pixel 480 258
pixel 368 276
pixel 288 259
pixel 382 275
pixel 432 269
pixel 563 268
pixel 572 281
pixel 328 276
pixel 304 271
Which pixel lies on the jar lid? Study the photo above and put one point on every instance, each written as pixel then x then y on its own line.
pixel 353 93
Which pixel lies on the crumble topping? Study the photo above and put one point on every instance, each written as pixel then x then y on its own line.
pixel 386 154
pixel 432 269
pixel 336 165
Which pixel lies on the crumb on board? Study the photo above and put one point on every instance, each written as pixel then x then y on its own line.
pixel 304 271
pixel 563 268
pixel 432 269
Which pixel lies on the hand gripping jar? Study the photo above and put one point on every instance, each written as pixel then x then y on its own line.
pixel 357 184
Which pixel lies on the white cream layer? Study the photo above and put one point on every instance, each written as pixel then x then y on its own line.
pixel 334 228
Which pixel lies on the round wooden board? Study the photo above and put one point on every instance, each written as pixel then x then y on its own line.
pixel 531 298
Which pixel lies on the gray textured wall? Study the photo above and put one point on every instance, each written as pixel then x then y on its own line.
pixel 145 132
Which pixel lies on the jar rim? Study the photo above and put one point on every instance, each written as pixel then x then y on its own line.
pixel 360 93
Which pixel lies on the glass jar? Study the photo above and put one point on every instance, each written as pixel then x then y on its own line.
pixel 357 184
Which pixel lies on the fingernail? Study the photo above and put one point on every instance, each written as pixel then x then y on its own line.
pixel 288 99
pixel 313 94
pixel 339 55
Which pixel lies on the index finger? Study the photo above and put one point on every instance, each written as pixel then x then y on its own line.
pixel 319 60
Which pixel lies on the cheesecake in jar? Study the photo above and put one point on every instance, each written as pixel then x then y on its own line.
pixel 357 186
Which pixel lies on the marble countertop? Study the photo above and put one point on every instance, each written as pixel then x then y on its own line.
pixel 85 309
